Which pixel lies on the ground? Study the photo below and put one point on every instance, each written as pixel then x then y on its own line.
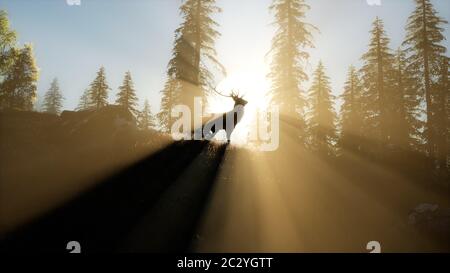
pixel 204 196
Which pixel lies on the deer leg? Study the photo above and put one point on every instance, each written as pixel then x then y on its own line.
pixel 229 132
pixel 211 133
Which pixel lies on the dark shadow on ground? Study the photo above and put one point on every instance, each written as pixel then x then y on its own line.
pixel 153 205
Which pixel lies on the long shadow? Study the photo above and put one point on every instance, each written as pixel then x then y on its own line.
pixel 100 218
pixel 171 224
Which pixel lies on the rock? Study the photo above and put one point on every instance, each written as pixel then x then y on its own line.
pixel 430 218
pixel 111 127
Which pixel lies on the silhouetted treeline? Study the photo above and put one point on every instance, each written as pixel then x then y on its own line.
pixel 96 97
pixel 396 102
pixel 19 75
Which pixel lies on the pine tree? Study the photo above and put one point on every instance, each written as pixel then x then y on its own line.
pixel 98 91
pixel 7 43
pixel 424 47
pixel 146 119
pixel 18 90
pixel 377 82
pixel 321 116
pixel 293 36
pixel 53 99
pixel 127 95
pixel 351 121
pixel 169 99
pixel 441 96
pixel 85 101
pixel 194 42
pixel 405 102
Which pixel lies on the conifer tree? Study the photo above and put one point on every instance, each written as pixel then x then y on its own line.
pixel 146 119
pixel 441 113
pixel 85 101
pixel 321 116
pixel 170 97
pixel 127 95
pixel 187 76
pixel 292 38
pixel 98 91
pixel 406 125
pixel 377 82
pixel 351 118
pixel 425 34
pixel 53 99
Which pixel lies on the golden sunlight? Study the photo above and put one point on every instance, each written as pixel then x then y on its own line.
pixel 253 85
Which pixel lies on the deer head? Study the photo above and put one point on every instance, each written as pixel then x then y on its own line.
pixel 238 99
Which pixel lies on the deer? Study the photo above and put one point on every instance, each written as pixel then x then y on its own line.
pixel 226 121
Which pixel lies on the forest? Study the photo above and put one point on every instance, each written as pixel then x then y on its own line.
pixel 368 160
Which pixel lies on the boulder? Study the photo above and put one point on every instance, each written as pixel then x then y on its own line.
pixel 107 125
pixel 431 219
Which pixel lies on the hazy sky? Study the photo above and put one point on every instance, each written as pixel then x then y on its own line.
pixel 72 42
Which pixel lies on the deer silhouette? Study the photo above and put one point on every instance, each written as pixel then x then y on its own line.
pixel 226 121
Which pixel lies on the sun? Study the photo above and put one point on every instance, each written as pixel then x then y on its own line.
pixel 254 86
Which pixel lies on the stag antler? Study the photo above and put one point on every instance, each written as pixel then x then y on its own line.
pixel 215 90
pixel 235 94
